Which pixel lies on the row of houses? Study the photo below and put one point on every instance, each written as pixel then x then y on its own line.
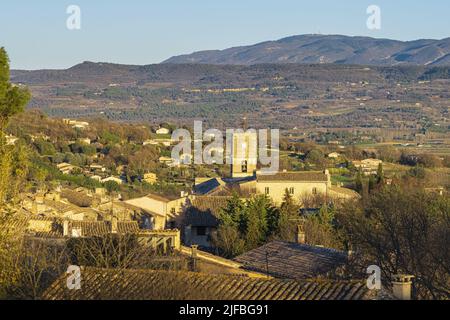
pixel 277 270
pixel 197 214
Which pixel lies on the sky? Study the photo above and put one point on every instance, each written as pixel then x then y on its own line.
pixel 36 36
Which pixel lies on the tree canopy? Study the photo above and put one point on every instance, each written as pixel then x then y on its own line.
pixel 13 98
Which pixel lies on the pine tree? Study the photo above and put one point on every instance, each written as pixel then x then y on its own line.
pixel 380 174
pixel 359 182
pixel 289 213
pixel 258 209
pixel 234 213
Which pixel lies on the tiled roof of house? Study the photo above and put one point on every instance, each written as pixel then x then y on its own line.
pixel 207 187
pixel 107 284
pixel 17 225
pixel 101 228
pixel 33 226
pixel 307 176
pixel 60 206
pixel 165 198
pixel 292 260
pixel 204 211
pixel 53 227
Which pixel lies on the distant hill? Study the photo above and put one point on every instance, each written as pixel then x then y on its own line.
pixel 269 95
pixel 93 74
pixel 313 49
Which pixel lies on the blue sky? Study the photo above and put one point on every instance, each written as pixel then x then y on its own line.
pixel 150 31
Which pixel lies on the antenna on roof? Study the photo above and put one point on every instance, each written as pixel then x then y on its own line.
pixel 244 123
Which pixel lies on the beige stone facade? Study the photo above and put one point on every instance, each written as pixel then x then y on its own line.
pixel 163 210
pixel 244 154
pixel 298 184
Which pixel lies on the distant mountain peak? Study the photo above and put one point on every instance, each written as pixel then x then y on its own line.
pixel 317 48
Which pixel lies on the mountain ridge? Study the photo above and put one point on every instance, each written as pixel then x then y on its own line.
pixel 338 49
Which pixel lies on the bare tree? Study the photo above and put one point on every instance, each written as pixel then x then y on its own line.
pixel 38 264
pixel 403 231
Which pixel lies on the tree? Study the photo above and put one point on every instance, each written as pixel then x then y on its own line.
pixel 112 187
pixel 38 265
pixel 17 269
pixel 256 221
pixel 320 229
pixel 403 230
pixel 288 215
pixel 359 182
pixel 430 161
pixel 10 244
pixel 234 213
pixel 317 157
pixel 389 154
pixel 228 241
pixel 244 225
pixel 417 172
pixel 228 238
pixel 380 174
pixel 13 99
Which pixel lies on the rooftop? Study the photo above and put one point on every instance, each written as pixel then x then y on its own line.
pixel 306 176
pixel 204 211
pixel 53 227
pixel 212 187
pixel 101 228
pixel 292 260
pixel 102 284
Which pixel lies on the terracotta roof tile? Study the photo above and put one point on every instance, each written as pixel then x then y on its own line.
pixel 291 260
pixel 103 284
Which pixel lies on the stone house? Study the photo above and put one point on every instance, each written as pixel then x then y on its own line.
pixel 298 184
pixel 200 220
pixel 164 210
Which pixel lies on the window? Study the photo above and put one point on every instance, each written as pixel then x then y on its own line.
pixel 173 211
pixel 201 231
pixel 267 191
pixel 314 191
pixel 77 233
pixel 291 191
pixel 172 225
pixel 244 166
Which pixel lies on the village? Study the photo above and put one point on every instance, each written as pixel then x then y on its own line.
pixel 185 225
pixel 331 183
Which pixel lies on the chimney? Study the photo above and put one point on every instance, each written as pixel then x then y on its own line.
pixel 244 124
pixel 114 223
pixel 328 175
pixel 194 249
pixel 66 228
pixel 402 286
pixel 300 236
